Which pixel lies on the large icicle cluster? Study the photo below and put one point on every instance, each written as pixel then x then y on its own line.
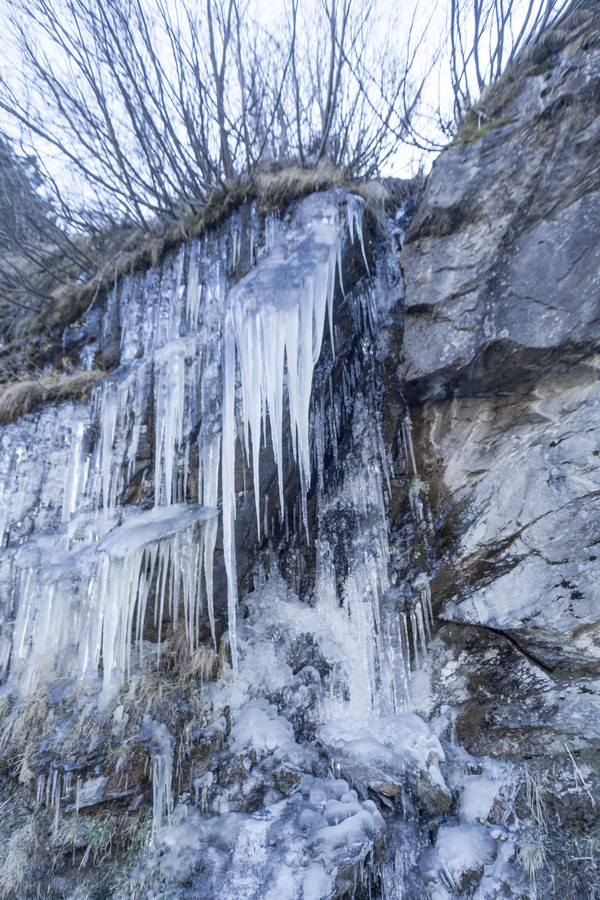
pixel 81 564
pixel 378 640
pixel 84 606
pixel 274 324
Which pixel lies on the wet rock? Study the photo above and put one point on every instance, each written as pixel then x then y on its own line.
pixel 434 797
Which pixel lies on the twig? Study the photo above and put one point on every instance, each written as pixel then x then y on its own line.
pixel 583 781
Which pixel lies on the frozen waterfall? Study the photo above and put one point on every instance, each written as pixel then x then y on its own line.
pixel 198 360
pixel 236 452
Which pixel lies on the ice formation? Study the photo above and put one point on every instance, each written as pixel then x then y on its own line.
pixel 80 563
pixel 383 749
pixel 274 324
pixel 81 604
pixel 160 744
pixel 81 573
pixel 109 524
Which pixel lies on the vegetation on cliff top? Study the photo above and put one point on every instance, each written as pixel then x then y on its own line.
pixel 161 148
pixel 152 113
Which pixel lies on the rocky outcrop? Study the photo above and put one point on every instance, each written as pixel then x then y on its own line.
pixel 501 368
pixel 328 765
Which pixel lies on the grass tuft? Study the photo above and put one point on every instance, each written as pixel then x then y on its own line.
pixel 24 395
pixel 16 867
pixel 474 129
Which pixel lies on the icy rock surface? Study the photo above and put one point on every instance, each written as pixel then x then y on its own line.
pixel 317 832
pixel 305 771
pixel 380 753
pixel 317 837
pixel 289 849
pixel 77 552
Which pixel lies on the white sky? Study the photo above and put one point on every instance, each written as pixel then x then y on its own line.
pixel 390 30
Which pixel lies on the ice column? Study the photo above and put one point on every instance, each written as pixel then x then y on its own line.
pixel 160 743
pixel 275 319
pixel 161 551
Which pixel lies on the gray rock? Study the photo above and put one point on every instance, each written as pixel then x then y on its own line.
pixel 501 366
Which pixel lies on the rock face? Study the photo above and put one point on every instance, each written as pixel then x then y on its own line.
pixel 337 739
pixel 135 711
pixel 501 368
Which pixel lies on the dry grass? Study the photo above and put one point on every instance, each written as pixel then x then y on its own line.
pixel 22 396
pixel 474 129
pixel 202 666
pixel 531 855
pixel 24 721
pixel 137 251
pixel 276 190
pixel 17 862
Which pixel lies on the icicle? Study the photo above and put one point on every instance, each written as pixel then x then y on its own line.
pixel 272 232
pixel 172 377
pixel 252 232
pixel 404 659
pixel 107 429
pixel 426 612
pixel 408 444
pixel 40 790
pixel 384 459
pixel 202 786
pixel 193 299
pixel 276 315
pixel 78 794
pixel 180 356
pixel 161 747
pixel 319 433
pixel 55 798
pixel 68 778
pixel 415 638
pixel 209 455
pixel 355 206
pixel 76 473
pixel 168 540
pixel 421 631
pixel 428 602
pixel 228 482
pixel 235 230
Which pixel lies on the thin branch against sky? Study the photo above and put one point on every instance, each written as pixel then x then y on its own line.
pixel 138 109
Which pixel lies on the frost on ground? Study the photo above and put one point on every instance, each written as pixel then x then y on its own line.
pixel 311 831
pixel 282 819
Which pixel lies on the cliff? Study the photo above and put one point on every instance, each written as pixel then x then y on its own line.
pixel 301 599
pixel 500 364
